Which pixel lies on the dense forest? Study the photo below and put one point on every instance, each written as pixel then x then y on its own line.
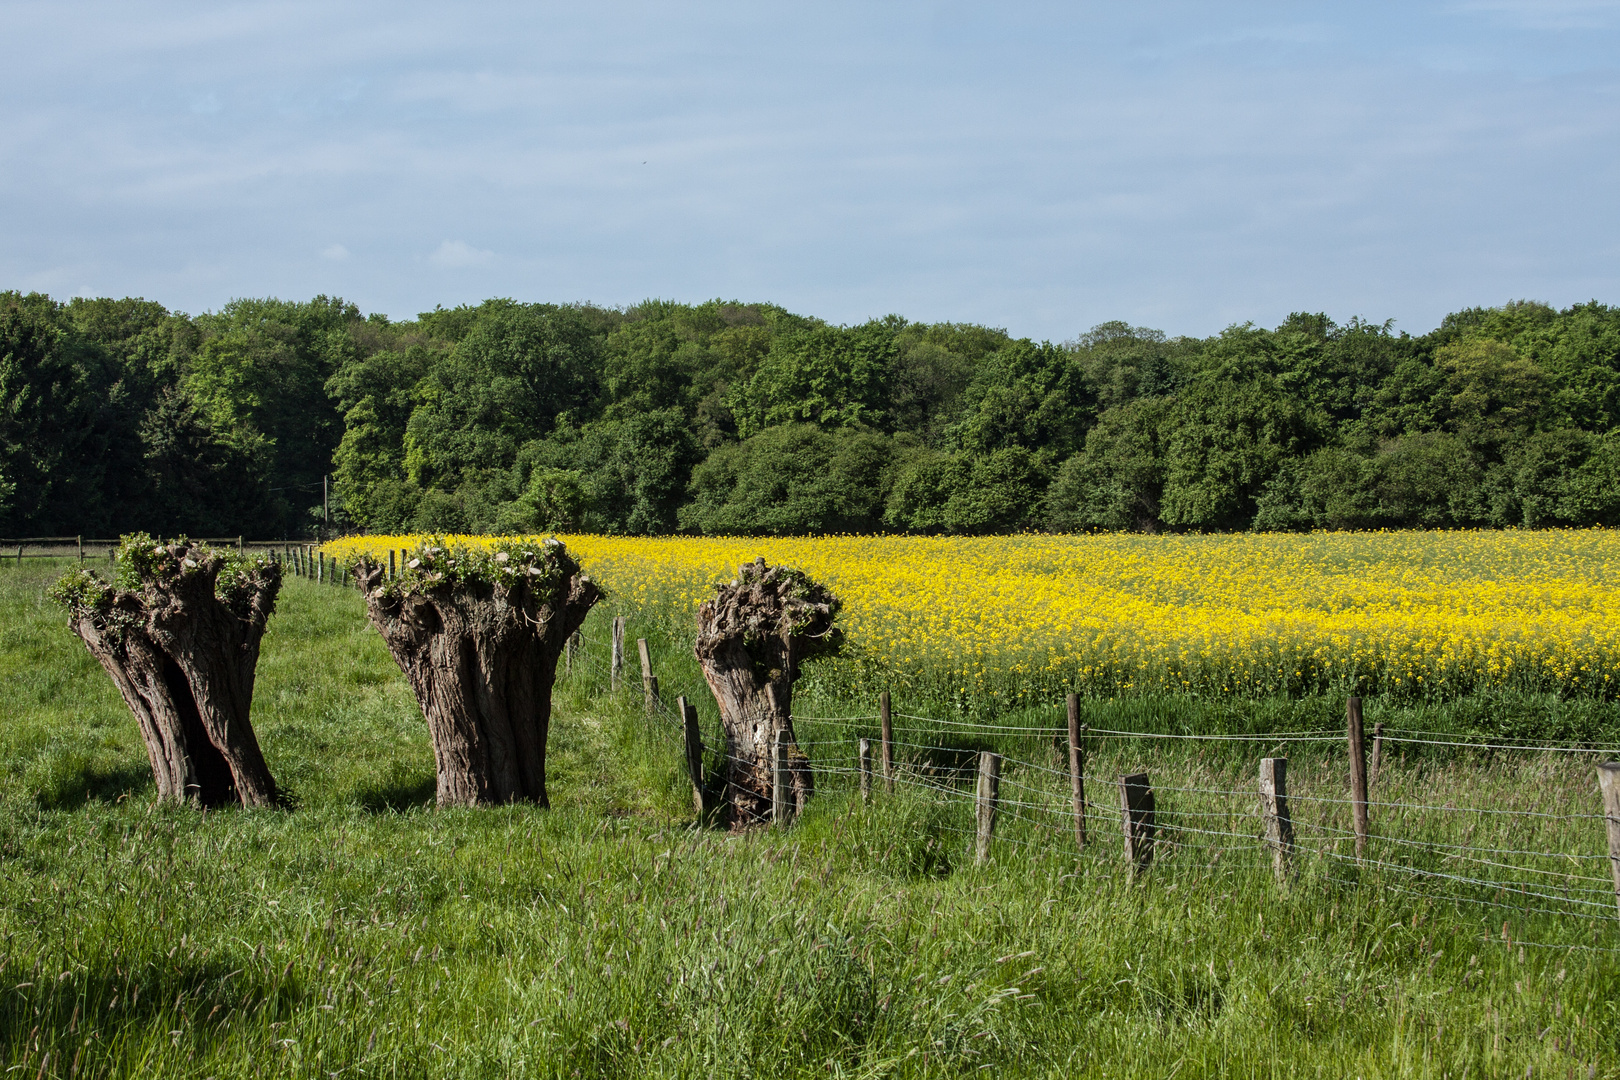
pixel 118 415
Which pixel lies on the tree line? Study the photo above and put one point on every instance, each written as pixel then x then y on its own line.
pixel 118 415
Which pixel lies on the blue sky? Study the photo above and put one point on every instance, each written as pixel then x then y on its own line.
pixel 1040 167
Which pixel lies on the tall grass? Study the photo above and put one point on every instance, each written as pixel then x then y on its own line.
pixel 365 934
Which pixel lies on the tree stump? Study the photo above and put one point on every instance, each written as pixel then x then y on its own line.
pixel 752 637
pixel 179 633
pixel 478 634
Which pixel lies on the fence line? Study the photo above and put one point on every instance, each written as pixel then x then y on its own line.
pixel 1038 813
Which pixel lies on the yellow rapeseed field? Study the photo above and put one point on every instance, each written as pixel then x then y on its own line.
pixel 1014 619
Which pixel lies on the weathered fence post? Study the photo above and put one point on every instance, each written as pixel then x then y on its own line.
pixel 320 574
pixel 866 770
pixel 569 653
pixel 649 681
pixel 781 778
pixel 1378 753
pixel 1358 773
pixel 1136 818
pixel 887 723
pixel 616 668
pixel 81 548
pixel 1609 783
pixel 393 568
pixel 1077 770
pixel 985 804
pixel 694 753
pixel 1274 812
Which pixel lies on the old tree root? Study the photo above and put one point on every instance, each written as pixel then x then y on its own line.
pixel 752 637
pixel 179 634
pixel 477 634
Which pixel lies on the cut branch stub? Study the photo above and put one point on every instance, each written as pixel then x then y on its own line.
pixel 478 633
pixel 179 634
pixel 752 637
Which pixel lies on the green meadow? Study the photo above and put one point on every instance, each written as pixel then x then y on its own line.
pixel 362 933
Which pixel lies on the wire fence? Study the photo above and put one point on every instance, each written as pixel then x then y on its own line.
pixel 1541 865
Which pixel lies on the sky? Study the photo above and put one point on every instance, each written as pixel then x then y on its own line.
pixel 1037 167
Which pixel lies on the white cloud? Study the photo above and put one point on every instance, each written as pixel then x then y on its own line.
pixel 1548 14
pixel 335 252
pixel 459 253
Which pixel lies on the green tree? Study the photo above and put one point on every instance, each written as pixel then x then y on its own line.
pixel 1225 444
pixel 792 480
pixel 1117 482
pixel 377 394
pixel 1027 395
pixel 505 383
pixel 46 411
pixel 829 376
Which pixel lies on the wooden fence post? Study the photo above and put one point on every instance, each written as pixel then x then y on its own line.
pixel 571 650
pixel 887 724
pixel 694 753
pixel 1609 784
pixel 81 548
pixel 1136 818
pixel 866 770
pixel 1077 770
pixel 616 668
pixel 985 804
pixel 320 573
pixel 649 681
pixel 1358 773
pixel 239 547
pixel 1378 753
pixel 781 778
pixel 393 571
pixel 1274 812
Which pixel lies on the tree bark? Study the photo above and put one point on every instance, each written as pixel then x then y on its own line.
pixel 478 638
pixel 183 659
pixel 752 637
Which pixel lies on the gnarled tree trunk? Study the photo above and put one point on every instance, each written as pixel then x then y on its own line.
pixel 478 635
pixel 752 637
pixel 183 649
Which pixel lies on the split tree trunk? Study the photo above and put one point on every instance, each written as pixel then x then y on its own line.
pixel 478 636
pixel 752 637
pixel 184 659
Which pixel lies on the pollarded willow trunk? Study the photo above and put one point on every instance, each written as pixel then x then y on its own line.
pixel 180 639
pixel 752 637
pixel 477 634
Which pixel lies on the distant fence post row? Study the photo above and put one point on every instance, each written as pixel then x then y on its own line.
pixel 62 547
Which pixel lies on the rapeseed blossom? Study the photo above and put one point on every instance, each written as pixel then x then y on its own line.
pixel 1010 620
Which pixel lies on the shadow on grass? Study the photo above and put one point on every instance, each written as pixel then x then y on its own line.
pixel 402 790
pixel 955 759
pixel 132 995
pixel 66 780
